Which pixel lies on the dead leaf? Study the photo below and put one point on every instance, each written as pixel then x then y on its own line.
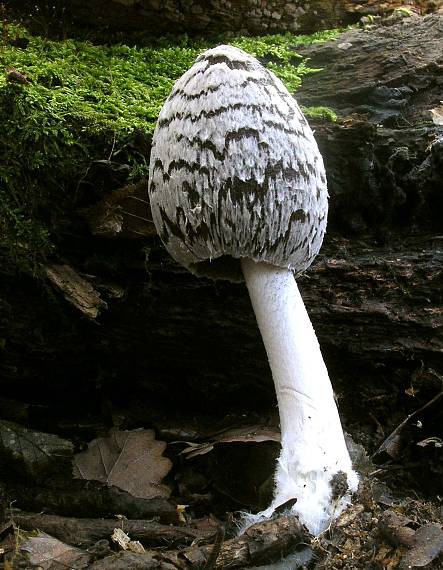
pixel 435 441
pixel 130 460
pixel 437 115
pixel 15 76
pixel 393 443
pixel 244 434
pixel 395 528
pixel 136 546
pixel 124 541
pixel 428 546
pixel 121 538
pixel 48 553
pixel 349 515
pixel 181 513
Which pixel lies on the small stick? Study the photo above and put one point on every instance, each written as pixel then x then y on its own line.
pixel 210 563
pixel 390 440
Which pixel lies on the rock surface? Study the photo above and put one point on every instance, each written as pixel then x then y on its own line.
pixel 213 16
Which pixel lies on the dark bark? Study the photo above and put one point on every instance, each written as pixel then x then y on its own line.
pixel 384 157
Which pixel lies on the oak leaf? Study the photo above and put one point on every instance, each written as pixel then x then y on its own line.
pixel 130 460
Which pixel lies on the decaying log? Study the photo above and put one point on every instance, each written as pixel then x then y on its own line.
pixel 384 156
pixel 259 544
pixel 87 531
pixel 359 68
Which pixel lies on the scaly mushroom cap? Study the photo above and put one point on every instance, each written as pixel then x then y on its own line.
pixel 235 170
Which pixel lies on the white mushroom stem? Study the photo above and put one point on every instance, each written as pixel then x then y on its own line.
pixel 313 448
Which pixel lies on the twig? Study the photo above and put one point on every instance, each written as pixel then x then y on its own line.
pixel 391 438
pixel 210 563
pixel 86 531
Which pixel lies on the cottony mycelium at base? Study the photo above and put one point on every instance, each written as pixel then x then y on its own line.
pixel 238 188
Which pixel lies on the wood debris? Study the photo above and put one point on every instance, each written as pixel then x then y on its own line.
pixel 76 290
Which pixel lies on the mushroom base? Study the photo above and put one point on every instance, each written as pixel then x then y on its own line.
pixel 320 496
pixel 317 502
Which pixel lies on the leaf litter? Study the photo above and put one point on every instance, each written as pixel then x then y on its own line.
pixel 380 531
pixel 48 553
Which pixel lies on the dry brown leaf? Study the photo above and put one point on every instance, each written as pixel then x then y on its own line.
pixel 244 434
pixel 437 115
pixel 130 460
pixel 48 553
pixel 435 441
pixel 428 546
pixel 121 538
pixel 136 546
pixel 395 528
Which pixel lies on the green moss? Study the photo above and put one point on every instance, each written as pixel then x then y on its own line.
pixel 324 113
pixel 404 11
pixel 80 103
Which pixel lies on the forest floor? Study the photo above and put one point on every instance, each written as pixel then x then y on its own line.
pixel 176 501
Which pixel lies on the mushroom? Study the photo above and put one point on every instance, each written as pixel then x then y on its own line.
pixel 237 187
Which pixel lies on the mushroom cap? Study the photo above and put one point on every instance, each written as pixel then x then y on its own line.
pixel 235 170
